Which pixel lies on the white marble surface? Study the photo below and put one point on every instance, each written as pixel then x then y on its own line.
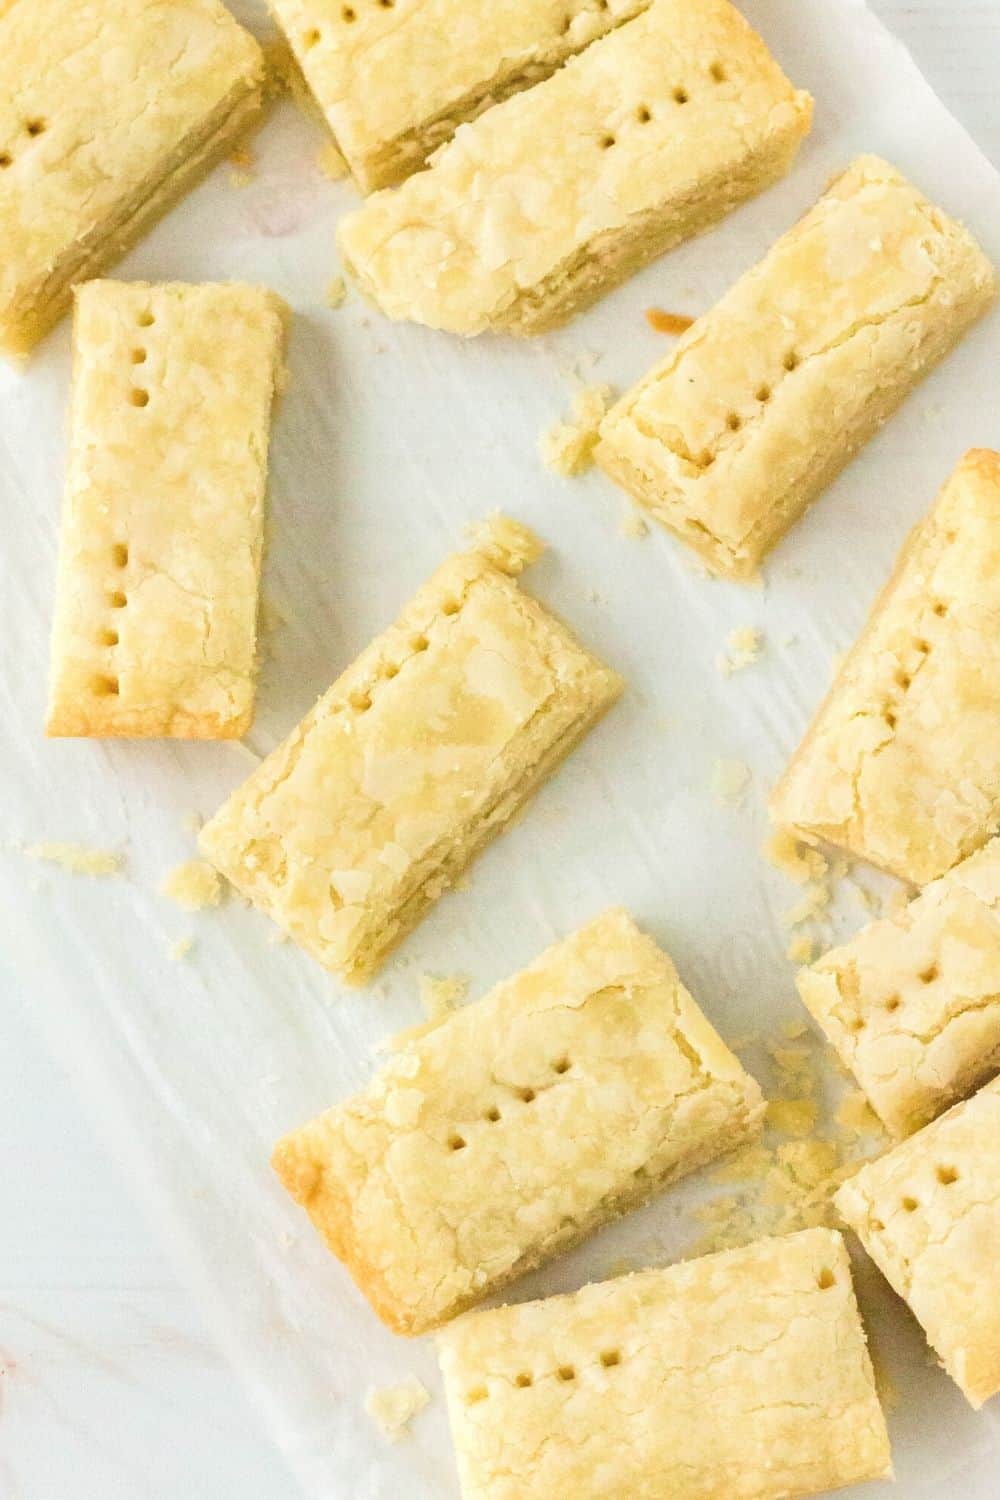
pixel 109 1386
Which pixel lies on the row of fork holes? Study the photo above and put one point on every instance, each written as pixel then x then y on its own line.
pixel 893 1002
pixel 33 128
pixel 105 685
pixel 903 679
pixel 361 699
pixel 609 1358
pixel 762 395
pixel 644 114
pixel 493 1115
pixel 946 1175
pixel 348 14
pixel 138 395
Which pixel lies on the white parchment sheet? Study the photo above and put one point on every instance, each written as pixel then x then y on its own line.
pixel 389 439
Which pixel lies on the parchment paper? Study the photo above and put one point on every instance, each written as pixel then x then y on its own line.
pixel 389 439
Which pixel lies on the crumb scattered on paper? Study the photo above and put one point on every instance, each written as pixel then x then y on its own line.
pixel 745 645
pixel 336 292
pixel 730 779
pixel 856 1116
pixel 801 949
pixel 508 544
pixel 178 951
pixel 193 885
pixel 330 162
pixel 393 1407
pixel 240 179
pixel 276 937
pixel 793 1116
pixel 78 859
pixel 815 903
pixel 633 524
pixel 567 447
pixel 243 158
pixel 441 995
pixel 786 1180
pixel 793 857
pixel 667 322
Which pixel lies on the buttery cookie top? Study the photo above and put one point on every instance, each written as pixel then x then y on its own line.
pixel 928 1213
pixel 659 109
pixel 912 1002
pixel 514 1120
pixel 98 100
pixel 743 1374
pixel 394 77
pixel 727 420
pixel 901 764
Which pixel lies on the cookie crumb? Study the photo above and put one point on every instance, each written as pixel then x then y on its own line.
pixel 439 996
pixel 393 1407
pixel 745 645
pixel 633 525
pixel 178 951
pixel 193 885
pixel 509 545
pixel 336 292
pixel 78 859
pixel 567 448
pixel 730 779
pixel 794 857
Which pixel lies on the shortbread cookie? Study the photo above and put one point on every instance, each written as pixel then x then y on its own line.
pixel 901 765
pixel 163 521
pixel 109 111
pixel 519 1124
pixel 912 1003
pixel 928 1213
pixel 548 200
pixel 411 762
pixel 765 398
pixel 394 78
pixel 740 1376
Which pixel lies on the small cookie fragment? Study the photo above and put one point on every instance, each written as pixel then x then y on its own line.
pixel 901 764
pixel 193 885
pixel 393 1407
pixel 567 448
pixel 78 859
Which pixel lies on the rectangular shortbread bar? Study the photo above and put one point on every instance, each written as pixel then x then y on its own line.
pixel 912 1003
pixel 109 111
pixel 394 78
pixel 740 1376
pixel 545 202
pixel 901 764
pixel 163 521
pixel 519 1124
pixel 766 397
pixel 411 762
pixel 928 1213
